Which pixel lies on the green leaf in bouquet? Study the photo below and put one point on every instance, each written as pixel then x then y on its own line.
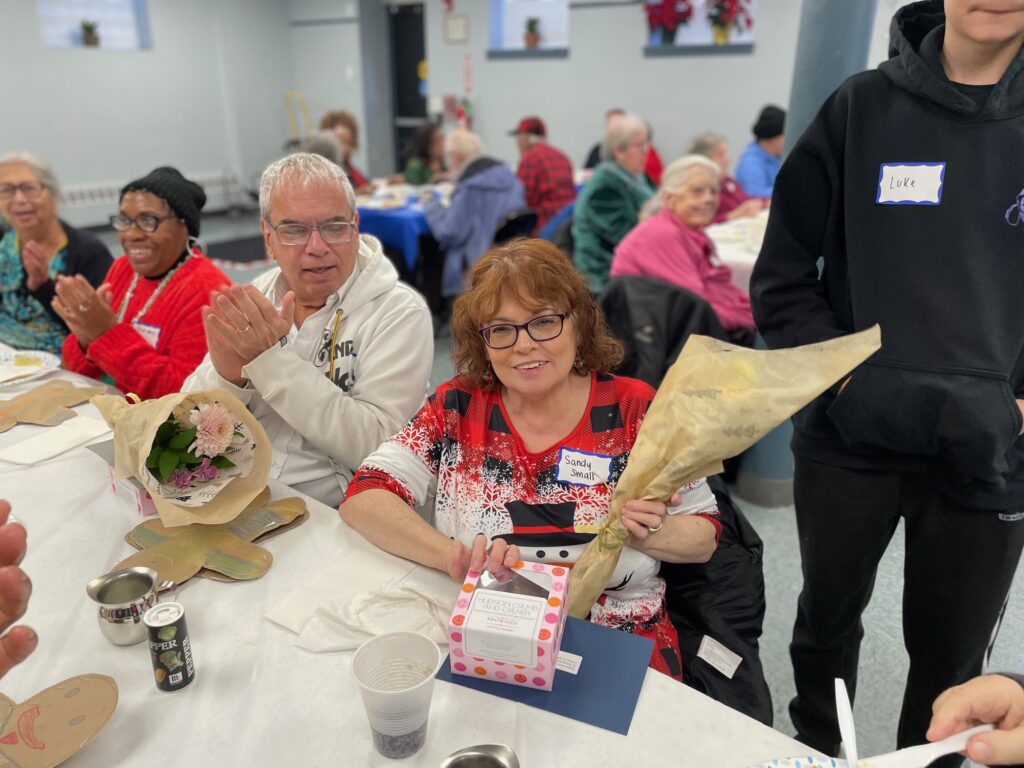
pixel 153 460
pixel 165 432
pixel 222 462
pixel 168 463
pixel 189 459
pixel 183 440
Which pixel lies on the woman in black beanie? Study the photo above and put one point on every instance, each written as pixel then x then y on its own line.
pixel 143 328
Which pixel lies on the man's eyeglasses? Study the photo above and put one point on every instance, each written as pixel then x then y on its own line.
pixel 505 335
pixel 331 232
pixel 30 189
pixel 146 222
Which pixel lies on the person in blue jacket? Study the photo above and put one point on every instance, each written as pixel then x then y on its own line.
pixel 761 159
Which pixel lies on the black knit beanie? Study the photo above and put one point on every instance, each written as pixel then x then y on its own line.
pixel 185 198
pixel 770 122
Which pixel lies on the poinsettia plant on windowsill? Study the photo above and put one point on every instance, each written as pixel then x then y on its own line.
pixel 731 13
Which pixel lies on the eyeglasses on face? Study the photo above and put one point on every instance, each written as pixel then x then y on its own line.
pixel 33 190
pixel 146 222
pixel 331 232
pixel 505 335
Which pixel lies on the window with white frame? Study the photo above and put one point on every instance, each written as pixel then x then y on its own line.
pixel 120 25
pixel 512 20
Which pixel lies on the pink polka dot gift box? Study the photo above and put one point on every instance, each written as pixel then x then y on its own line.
pixel 507 626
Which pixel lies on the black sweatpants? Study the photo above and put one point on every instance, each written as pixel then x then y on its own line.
pixel 959 566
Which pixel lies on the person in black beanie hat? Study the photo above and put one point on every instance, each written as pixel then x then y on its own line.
pixel 143 327
pixel 760 162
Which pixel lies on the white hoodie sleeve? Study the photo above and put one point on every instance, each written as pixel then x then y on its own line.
pixel 395 355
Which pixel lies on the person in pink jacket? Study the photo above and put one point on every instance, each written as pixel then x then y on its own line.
pixel 671 245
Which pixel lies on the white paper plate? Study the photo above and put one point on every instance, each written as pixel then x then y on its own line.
pixel 19 366
pixel 803 762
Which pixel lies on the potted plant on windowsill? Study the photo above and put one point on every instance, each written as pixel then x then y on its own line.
pixel 531 38
pixel 726 15
pixel 90 33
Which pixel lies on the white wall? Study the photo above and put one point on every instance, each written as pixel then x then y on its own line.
pixel 325 60
pixel 884 9
pixel 205 98
pixel 680 96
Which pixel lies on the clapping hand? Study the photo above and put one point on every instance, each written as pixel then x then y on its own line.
pixel 15 589
pixel 86 312
pixel 241 324
pixel 37 264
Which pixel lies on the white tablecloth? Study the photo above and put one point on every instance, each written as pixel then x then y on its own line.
pixel 257 699
pixel 738 242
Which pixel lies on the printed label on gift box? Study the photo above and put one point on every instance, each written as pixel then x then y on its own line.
pixel 582 468
pixel 502 626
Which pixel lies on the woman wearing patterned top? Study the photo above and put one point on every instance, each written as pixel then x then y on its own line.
pixel 526 445
pixel 143 328
pixel 37 249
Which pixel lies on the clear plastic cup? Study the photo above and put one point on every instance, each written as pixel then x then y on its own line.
pixel 395 673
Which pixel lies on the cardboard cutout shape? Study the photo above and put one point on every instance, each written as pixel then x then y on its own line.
pixel 47 405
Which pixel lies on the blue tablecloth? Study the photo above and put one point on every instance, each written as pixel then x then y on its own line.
pixel 396 228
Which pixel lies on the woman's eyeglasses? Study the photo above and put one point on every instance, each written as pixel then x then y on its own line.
pixel 505 335
pixel 331 232
pixel 147 222
pixel 30 189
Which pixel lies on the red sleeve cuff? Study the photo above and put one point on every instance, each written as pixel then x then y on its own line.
pixel 715 520
pixel 368 479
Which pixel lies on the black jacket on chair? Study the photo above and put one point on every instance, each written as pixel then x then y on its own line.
pixel 723 599
pixel 653 319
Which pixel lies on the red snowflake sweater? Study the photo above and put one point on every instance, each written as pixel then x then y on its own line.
pixel 549 503
pixel 175 320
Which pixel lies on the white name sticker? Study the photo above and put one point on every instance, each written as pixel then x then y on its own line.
pixel 910 183
pixel 582 468
pixel 568 662
pixel 151 333
pixel 718 656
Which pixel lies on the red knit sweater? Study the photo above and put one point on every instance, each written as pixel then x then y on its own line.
pixel 124 355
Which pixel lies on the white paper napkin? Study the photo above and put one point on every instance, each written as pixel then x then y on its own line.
pixel 368 593
pixel 55 441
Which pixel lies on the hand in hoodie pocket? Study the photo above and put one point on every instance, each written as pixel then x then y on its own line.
pixel 965 419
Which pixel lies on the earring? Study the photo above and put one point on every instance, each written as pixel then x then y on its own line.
pixel 578 365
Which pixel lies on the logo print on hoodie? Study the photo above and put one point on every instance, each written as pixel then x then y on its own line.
pixel 344 358
pixel 1015 212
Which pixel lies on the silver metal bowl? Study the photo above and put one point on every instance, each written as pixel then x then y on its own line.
pixel 482 756
pixel 123 596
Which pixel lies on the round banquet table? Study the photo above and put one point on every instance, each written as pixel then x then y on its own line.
pixel 257 699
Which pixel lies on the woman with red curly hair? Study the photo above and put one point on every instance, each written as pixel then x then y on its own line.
pixel 526 445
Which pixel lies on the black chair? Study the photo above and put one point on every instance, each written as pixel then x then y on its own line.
pixel 519 223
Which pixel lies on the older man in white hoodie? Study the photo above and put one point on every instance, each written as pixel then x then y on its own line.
pixel 328 350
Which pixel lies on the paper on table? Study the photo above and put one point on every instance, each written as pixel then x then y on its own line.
pixel 55 441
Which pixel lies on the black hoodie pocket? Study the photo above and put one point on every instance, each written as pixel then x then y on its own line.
pixel 968 420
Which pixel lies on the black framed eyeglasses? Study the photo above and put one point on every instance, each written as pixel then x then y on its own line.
pixel 146 222
pixel 30 189
pixel 505 335
pixel 297 233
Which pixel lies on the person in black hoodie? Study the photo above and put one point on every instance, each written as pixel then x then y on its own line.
pixel 996 699
pixel 906 185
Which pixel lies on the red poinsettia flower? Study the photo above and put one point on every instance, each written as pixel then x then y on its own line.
pixel 668 14
pixel 730 13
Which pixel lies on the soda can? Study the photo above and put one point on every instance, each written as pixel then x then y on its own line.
pixel 169 646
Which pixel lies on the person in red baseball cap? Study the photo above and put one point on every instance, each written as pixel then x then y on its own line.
pixel 546 173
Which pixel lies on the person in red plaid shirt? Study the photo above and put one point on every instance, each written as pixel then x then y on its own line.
pixel 546 173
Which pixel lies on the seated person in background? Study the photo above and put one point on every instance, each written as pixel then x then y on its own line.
pixel 760 162
pixel 486 190
pixel 609 205
pixel 143 328
pixel 37 249
pixel 671 244
pixel 733 202
pixel 15 589
pixel 546 173
pixel 654 166
pixel 329 351
pixel 533 389
pixel 426 164
pixel 346 129
pixel 996 699
pixel 594 155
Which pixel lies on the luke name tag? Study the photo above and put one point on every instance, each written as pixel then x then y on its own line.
pixel 151 333
pixel 582 468
pixel 910 183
